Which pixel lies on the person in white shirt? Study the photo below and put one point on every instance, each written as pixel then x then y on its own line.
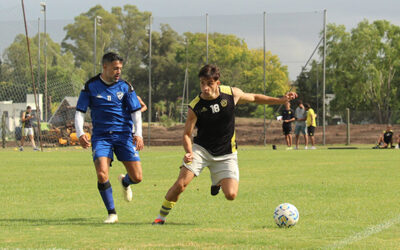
pixel 301 116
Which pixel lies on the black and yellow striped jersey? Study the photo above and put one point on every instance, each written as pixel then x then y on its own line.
pixel 216 122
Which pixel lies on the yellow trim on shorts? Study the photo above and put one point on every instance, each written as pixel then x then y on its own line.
pixel 233 142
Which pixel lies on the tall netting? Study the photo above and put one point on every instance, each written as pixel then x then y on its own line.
pixel 164 74
pixel 289 40
pixel 57 82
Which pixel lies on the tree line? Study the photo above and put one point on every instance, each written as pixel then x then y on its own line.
pixel 362 70
pixel 362 65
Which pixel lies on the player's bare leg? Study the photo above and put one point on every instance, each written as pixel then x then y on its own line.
pixel 134 176
pixel 297 140
pixel 102 167
pixel 185 177
pixel 305 140
pixel 172 196
pixel 33 142
pixel 21 147
pixel 230 188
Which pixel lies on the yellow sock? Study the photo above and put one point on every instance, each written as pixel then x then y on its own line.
pixel 166 208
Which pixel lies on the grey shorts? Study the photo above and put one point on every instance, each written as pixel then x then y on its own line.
pixel 28 131
pixel 300 128
pixel 221 167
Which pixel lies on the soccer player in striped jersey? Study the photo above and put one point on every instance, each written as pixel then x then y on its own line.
pixel 214 146
pixel 115 113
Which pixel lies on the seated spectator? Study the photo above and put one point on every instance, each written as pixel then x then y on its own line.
pixel 398 145
pixel 386 138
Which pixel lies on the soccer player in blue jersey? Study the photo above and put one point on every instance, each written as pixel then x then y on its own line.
pixel 115 113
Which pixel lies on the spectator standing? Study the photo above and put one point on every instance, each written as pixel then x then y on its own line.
pixel 287 118
pixel 300 127
pixel 311 124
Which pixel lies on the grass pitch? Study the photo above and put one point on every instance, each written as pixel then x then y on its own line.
pixel 347 199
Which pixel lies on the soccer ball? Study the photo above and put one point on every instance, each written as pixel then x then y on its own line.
pixel 286 215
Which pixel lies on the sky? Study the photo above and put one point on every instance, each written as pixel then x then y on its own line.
pixel 293 26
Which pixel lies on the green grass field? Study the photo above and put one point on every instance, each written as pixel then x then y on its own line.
pixel 347 199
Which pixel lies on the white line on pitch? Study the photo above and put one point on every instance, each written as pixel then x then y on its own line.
pixel 364 234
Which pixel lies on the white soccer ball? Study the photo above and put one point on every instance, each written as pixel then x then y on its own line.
pixel 286 215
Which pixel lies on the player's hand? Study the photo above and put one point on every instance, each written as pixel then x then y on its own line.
pixel 289 96
pixel 188 158
pixel 138 141
pixel 83 140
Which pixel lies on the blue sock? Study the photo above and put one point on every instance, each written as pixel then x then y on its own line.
pixel 127 181
pixel 105 190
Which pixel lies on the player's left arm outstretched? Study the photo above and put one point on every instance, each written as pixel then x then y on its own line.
pixel 241 97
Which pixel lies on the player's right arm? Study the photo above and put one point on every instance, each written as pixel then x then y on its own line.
pixel 79 120
pixel 81 107
pixel 187 135
pixel 23 117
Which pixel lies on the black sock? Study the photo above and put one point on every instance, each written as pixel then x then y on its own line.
pixel 112 211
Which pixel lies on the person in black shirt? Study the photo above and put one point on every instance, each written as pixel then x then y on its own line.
pixel 386 138
pixel 287 118
pixel 27 128
pixel 214 146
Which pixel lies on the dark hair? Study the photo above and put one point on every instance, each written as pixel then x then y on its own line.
pixel 299 102
pixel 111 57
pixel 306 105
pixel 28 107
pixel 210 72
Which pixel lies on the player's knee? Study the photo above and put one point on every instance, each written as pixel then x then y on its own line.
pixel 179 187
pixel 230 195
pixel 137 178
pixel 102 177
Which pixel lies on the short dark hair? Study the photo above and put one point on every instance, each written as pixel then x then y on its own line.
pixel 111 57
pixel 209 71
pixel 307 106
pixel 28 107
pixel 299 102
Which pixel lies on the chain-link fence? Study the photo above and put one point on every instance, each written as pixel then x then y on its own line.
pixel 65 53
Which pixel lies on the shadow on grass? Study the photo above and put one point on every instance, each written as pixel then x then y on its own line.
pixel 78 222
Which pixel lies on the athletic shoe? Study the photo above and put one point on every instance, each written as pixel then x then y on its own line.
pixel 158 222
pixel 305 147
pixel 111 219
pixel 313 147
pixel 215 190
pixel 126 191
pixel 289 148
pixel 21 148
pixel 36 149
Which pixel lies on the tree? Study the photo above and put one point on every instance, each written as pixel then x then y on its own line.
pixel 363 68
pixel 16 76
pixel 126 32
pixel 240 67
pixel 79 39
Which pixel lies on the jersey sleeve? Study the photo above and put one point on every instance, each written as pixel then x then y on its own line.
pixel 192 105
pixel 83 101
pixel 132 102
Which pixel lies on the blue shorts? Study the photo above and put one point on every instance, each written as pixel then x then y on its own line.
pixel 119 143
